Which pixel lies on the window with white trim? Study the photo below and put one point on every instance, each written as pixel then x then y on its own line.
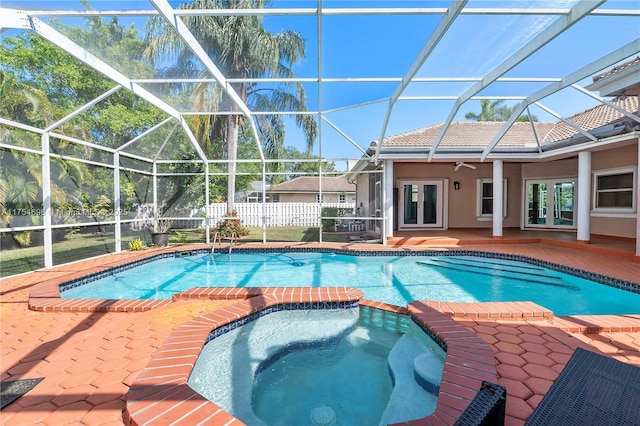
pixel 484 201
pixel 614 190
pixel 318 198
pixel 342 198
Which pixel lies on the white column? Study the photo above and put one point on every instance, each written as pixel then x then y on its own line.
pixel 116 200
pixel 155 189
pixel 498 198
pixel 387 201
pixel 637 257
pixel 584 198
pixel 46 201
pixel 207 208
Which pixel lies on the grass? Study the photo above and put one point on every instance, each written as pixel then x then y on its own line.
pixel 82 246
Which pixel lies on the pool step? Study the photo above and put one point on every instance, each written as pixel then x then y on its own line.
pixel 505 311
pixel 408 399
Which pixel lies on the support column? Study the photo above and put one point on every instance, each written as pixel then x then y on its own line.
pixel 116 201
pixel 498 199
pixel 637 256
pixel 46 201
pixel 584 198
pixel 155 189
pixel 387 201
pixel 207 219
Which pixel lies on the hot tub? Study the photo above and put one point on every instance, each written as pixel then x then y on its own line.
pixel 161 393
pixel 321 367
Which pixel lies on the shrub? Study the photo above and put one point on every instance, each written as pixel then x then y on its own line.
pixel 231 225
pixel 136 244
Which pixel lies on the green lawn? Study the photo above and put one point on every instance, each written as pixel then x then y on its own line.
pixel 81 246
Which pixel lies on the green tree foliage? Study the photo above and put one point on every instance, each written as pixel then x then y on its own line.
pixel 495 111
pixel 240 47
pixel 40 84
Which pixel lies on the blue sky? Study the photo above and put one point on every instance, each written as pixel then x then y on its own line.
pixel 385 46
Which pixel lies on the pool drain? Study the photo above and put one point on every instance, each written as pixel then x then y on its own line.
pixel 323 415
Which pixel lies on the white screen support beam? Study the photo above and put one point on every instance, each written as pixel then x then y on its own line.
pixel 556 28
pixel 83 55
pixel 584 72
pixel 441 29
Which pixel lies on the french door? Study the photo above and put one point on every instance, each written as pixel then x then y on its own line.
pixel 550 203
pixel 420 204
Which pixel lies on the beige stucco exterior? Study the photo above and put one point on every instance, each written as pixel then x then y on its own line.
pixel 462 205
pixel 618 226
pixel 461 208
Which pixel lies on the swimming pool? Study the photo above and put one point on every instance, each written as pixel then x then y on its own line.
pixel 395 279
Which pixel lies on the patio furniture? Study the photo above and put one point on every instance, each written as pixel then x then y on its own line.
pixel 356 225
pixel 592 389
pixel 487 407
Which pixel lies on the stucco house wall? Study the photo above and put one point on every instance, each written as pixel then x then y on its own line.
pixel 612 225
pixel 462 202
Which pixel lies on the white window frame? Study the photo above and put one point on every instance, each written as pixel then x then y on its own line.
pixel 442 207
pixel 612 211
pixel 342 198
pixel 487 217
pixel 318 198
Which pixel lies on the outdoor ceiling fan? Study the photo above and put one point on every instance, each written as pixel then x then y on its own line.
pixel 463 164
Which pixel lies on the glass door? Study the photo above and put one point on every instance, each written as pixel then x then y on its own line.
pixel 421 204
pixel 563 203
pixel 550 203
pixel 537 202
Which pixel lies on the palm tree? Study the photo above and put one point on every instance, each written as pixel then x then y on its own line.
pixel 241 48
pixel 495 111
pixel 21 176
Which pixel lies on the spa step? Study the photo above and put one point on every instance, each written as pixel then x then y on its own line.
pixel 428 372
pixel 408 399
pixel 376 342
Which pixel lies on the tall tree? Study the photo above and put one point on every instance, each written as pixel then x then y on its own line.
pixel 495 111
pixel 241 48
pixel 40 83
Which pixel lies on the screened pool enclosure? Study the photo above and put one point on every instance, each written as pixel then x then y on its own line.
pixel 116 113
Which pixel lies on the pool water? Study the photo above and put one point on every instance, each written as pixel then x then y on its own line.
pixel 322 367
pixel 397 280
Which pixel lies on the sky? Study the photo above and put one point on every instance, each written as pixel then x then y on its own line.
pixel 385 46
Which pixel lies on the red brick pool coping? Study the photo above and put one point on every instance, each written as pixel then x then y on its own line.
pixel 160 395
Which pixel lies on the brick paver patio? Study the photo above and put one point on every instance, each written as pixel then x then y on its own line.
pixel 89 360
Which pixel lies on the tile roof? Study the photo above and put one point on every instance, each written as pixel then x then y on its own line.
pixel 470 134
pixel 593 118
pixel 617 69
pixel 311 184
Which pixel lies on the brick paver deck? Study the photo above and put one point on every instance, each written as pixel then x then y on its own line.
pixel 89 360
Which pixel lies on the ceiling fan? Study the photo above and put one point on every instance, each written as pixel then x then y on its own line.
pixel 463 164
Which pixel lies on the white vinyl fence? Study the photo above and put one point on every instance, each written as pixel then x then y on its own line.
pixel 274 214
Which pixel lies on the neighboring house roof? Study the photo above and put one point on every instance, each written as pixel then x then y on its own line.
pixel 312 184
pixel 472 134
